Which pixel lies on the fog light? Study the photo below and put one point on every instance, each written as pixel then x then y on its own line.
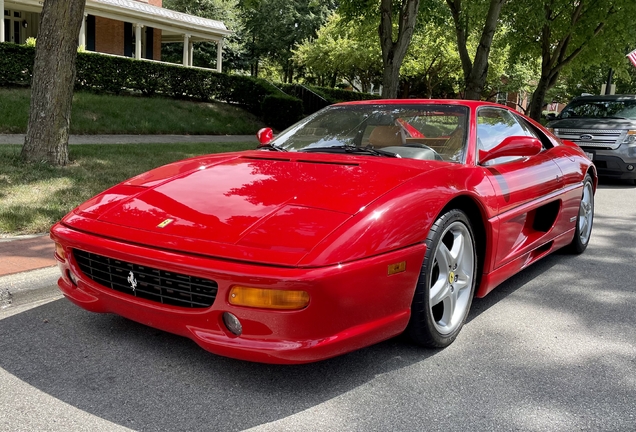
pixel 72 277
pixel 268 298
pixel 630 167
pixel 232 323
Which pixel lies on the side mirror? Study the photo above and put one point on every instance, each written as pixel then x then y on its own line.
pixel 550 116
pixel 515 146
pixel 265 136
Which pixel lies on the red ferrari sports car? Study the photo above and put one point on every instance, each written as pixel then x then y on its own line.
pixel 360 222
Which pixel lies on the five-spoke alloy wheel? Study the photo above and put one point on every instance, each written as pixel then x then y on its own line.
pixel 446 284
pixel 584 219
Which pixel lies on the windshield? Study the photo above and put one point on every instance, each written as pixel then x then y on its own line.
pixel 438 131
pixel 625 109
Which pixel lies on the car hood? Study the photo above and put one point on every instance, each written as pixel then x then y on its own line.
pixel 592 123
pixel 282 206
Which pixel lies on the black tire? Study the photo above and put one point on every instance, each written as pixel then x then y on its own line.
pixel 585 219
pixel 436 322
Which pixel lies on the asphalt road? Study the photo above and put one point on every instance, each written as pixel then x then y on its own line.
pixel 553 349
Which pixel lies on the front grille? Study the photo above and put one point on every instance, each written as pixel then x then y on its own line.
pixel 149 283
pixel 601 138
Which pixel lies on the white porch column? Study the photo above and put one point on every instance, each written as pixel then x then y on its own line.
pixel 186 46
pixel 82 34
pixel 2 21
pixel 219 56
pixel 138 41
pixel 190 53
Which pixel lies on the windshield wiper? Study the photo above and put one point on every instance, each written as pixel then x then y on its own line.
pixel 270 146
pixel 352 149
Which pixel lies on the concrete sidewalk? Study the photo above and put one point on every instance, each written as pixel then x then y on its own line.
pixel 139 139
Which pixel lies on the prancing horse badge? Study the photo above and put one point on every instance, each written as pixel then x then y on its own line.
pixel 165 223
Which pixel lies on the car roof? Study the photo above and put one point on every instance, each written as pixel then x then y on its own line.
pixel 469 103
pixel 604 98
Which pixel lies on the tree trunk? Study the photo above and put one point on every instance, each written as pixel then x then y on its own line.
pixel 393 52
pixel 334 80
pixel 536 103
pixel 390 80
pixel 555 55
pixel 475 73
pixel 53 80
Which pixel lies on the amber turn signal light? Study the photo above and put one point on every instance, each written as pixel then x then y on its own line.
pixel 396 268
pixel 59 251
pixel 268 298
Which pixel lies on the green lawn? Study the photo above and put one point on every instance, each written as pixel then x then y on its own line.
pixel 109 114
pixel 35 196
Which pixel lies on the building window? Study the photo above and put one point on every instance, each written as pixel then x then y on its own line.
pixel 502 98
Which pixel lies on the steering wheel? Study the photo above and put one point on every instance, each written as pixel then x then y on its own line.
pixel 423 146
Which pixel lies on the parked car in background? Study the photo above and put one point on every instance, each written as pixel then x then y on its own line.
pixel 605 128
pixel 360 222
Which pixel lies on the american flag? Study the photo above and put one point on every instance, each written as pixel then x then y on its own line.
pixel 632 57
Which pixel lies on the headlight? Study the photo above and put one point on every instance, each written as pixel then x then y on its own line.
pixel 630 139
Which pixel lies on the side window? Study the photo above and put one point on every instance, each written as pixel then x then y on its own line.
pixel 495 124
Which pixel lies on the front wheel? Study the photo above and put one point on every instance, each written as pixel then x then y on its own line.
pixel 584 219
pixel 446 285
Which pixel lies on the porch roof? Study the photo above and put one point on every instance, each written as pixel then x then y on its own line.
pixel 173 24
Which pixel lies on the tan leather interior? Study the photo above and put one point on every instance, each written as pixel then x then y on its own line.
pixel 385 136
pixel 454 144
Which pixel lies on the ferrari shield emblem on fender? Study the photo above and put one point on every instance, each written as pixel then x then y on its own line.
pixel 165 223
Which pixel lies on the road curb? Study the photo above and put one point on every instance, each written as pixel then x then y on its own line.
pixel 27 287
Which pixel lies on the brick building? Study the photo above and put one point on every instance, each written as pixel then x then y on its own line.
pixel 130 28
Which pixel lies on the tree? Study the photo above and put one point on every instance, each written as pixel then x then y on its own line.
pixel 393 51
pixel 475 72
pixel 273 28
pixel 225 11
pixel 431 67
pixel 393 42
pixel 559 31
pixel 342 50
pixel 53 81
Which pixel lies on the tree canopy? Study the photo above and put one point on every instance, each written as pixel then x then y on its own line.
pixel 479 49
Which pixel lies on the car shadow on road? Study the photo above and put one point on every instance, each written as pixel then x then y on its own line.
pixel 140 377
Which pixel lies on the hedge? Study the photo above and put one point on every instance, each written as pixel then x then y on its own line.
pixel 280 112
pixel 104 73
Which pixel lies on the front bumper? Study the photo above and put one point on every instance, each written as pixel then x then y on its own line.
pixel 614 163
pixel 351 306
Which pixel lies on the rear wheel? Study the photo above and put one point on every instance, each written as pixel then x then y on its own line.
pixel 446 284
pixel 584 219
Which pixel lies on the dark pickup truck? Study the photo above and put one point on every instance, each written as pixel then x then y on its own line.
pixel 605 128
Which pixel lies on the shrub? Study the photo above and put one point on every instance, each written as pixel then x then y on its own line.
pixel 111 74
pixel 280 112
pixel 335 95
pixel 16 64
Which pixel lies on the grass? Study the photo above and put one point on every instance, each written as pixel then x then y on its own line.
pixel 35 196
pixel 109 114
